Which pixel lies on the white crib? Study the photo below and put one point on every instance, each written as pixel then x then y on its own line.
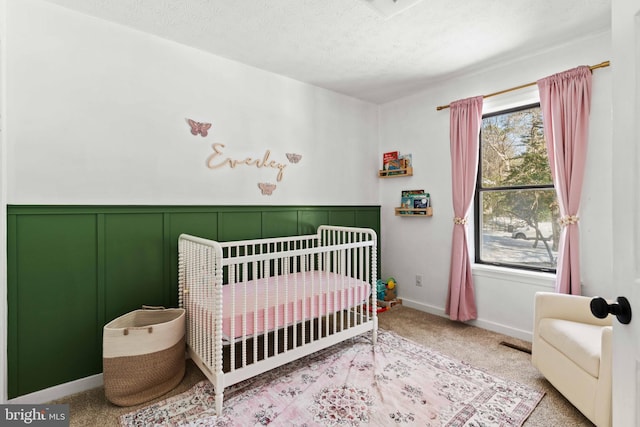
pixel 254 305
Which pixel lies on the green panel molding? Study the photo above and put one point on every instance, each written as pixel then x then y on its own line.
pixel 134 256
pixel 343 218
pixel 240 225
pixel 279 223
pixel 310 220
pixel 71 269
pixel 53 307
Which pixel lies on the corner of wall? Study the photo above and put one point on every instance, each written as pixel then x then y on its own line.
pixel 3 202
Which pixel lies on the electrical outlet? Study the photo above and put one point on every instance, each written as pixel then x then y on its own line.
pixel 419 280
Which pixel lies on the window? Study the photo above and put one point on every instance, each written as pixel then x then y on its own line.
pixel 516 210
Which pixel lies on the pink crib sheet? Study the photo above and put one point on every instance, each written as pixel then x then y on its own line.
pixel 312 293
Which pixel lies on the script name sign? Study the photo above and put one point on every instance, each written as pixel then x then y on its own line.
pixel 216 161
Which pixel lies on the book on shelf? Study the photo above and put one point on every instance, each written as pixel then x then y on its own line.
pixel 420 201
pixel 415 199
pixel 393 160
pixel 406 161
pixel 406 202
pixel 410 192
pixel 388 157
pixel 393 165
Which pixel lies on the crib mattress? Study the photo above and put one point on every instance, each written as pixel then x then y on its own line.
pixel 275 302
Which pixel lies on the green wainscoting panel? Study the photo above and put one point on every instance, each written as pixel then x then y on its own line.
pixel 240 225
pixel 134 255
pixel 201 224
pixel 71 269
pixel 54 308
pixel 343 218
pixel 310 220
pixel 279 223
pixel 368 219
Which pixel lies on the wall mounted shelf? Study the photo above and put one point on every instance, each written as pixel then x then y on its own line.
pixel 395 173
pixel 419 212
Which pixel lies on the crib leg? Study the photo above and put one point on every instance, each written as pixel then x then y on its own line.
pixel 219 390
pixel 375 331
pixel 218 403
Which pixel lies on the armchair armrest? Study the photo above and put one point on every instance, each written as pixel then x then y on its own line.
pixel 603 393
pixel 606 359
pixel 567 307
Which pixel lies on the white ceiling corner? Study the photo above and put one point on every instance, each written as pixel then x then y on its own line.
pixel 374 50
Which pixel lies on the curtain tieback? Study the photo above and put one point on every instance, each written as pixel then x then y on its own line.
pixel 569 220
pixel 460 221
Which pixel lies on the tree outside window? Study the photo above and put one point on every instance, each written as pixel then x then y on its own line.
pixel 516 210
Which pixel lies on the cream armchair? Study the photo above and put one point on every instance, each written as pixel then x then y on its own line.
pixel 572 349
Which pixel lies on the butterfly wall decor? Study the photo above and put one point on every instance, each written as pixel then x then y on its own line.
pixel 293 157
pixel 199 128
pixel 266 188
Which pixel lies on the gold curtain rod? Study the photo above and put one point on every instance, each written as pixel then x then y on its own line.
pixel 593 67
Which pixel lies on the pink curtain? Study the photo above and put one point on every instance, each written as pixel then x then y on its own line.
pixel 565 100
pixel 465 120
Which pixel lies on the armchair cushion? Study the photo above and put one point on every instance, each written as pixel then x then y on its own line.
pixel 579 342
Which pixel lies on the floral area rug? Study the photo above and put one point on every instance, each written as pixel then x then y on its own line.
pixel 397 382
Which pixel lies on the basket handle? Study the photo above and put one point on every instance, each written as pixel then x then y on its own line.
pixel 137 328
pixel 148 328
pixel 153 307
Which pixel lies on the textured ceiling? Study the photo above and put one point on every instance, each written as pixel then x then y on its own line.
pixel 349 46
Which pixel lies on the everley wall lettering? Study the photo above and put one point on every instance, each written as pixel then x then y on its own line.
pixel 214 161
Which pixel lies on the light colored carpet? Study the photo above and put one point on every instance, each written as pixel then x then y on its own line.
pixel 477 347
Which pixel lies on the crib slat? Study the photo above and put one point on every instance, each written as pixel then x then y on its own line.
pixel 266 265
pixel 232 349
pixel 255 314
pixel 243 352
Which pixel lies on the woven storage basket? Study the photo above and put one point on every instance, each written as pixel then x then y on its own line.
pixel 143 355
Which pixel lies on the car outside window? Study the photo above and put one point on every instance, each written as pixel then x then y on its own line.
pixel 516 209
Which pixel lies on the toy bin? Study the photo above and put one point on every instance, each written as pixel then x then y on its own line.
pixel 143 355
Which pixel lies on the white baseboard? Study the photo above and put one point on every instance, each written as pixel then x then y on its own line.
pixel 59 391
pixel 480 323
pixel 423 307
pixel 503 329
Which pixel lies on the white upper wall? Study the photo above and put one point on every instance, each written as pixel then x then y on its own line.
pixel 96 114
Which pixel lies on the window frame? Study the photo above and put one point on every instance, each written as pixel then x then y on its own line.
pixel 477 214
